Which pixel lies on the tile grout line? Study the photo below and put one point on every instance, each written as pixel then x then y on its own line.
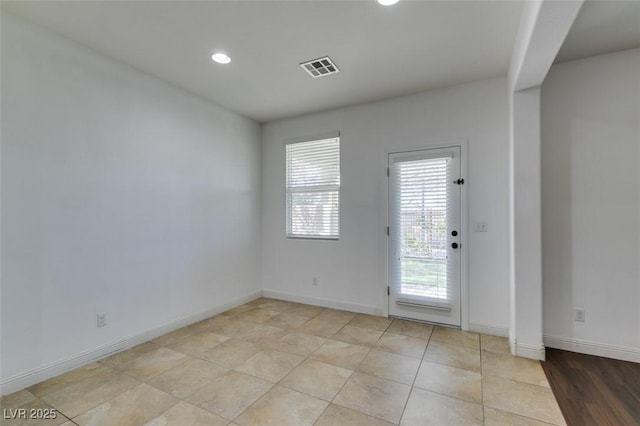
pixel 404 408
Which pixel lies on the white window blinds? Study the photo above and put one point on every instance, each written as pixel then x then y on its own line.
pixel 313 189
pixel 422 188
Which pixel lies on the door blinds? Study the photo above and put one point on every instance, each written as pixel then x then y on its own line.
pixel 422 191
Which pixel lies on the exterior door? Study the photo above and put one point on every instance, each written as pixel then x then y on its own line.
pixel 424 235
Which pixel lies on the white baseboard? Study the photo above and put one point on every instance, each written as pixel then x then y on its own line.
pixel 489 329
pixel 52 369
pixel 527 351
pixel 325 303
pixel 623 353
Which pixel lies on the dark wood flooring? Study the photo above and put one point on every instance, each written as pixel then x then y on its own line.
pixel 592 390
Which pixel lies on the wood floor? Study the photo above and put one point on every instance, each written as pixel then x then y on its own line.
pixel 593 390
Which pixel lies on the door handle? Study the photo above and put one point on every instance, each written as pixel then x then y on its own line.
pixel 454 245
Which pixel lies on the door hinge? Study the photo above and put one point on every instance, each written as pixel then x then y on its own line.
pixel 388 291
pixel 459 182
pixel 387 172
pixel 387 230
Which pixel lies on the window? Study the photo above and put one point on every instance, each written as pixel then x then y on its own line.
pixel 313 189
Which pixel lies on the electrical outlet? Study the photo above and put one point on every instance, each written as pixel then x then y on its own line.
pixel 314 281
pixel 480 227
pixel 578 314
pixel 101 320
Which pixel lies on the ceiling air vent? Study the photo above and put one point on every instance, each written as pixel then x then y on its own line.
pixel 320 67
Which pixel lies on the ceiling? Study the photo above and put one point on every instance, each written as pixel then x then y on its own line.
pixel 381 51
pixel 602 27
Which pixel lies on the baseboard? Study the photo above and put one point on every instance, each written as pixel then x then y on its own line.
pixel 489 329
pixel 325 303
pixel 623 353
pixel 527 351
pixel 52 369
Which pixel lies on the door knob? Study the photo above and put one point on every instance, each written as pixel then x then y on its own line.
pixel 454 245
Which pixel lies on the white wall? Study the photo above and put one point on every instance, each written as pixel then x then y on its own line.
pixel 120 194
pixel 352 271
pixel 591 204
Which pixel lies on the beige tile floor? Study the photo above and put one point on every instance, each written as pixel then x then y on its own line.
pixel 271 362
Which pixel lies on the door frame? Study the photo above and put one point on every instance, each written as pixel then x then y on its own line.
pixel 464 228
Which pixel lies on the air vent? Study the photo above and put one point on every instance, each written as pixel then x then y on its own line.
pixel 320 67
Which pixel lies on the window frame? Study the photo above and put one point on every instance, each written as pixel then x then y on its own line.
pixel 315 138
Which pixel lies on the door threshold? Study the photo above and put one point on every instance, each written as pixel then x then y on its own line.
pixel 455 327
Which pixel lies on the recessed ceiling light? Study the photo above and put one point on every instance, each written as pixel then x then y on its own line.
pixel 387 2
pixel 221 58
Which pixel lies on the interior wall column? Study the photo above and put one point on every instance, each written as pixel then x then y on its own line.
pixel 526 227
